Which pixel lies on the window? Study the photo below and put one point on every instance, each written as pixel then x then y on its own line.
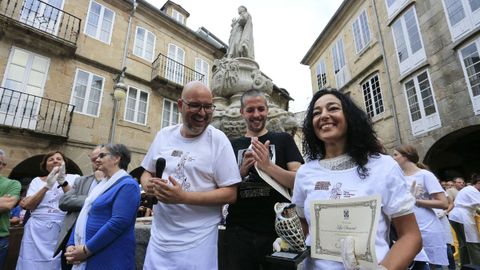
pixel 87 93
pixel 463 16
pixel 321 74
pixel 44 15
pixel 373 96
pixel 144 44
pixel 174 70
pixel 202 67
pixel 24 82
pixel 470 59
pixel 99 22
pixel 394 6
pixel 177 16
pixel 422 107
pixel 408 43
pixel 361 32
pixel 170 115
pixel 136 106
pixel 339 64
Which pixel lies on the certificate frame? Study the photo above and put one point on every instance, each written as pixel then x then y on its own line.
pixel 333 220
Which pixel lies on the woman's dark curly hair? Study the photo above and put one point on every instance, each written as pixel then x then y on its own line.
pixel 362 141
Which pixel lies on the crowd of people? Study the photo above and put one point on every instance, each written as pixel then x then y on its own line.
pixel 192 170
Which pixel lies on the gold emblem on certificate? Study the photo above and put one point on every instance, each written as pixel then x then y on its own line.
pixel 334 220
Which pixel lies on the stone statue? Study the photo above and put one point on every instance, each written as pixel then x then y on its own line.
pixel 238 72
pixel 240 43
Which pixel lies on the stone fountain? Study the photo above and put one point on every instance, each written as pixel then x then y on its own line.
pixel 238 72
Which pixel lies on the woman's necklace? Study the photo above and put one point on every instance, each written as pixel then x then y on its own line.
pixel 342 162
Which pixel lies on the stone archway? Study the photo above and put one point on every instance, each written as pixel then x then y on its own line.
pixel 456 154
pixel 28 169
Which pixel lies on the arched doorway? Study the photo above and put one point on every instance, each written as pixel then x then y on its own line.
pixel 456 154
pixel 28 169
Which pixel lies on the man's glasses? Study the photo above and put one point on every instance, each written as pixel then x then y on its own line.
pixel 196 107
pixel 3 163
pixel 102 155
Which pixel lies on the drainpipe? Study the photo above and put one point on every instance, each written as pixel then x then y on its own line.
pixel 398 136
pixel 119 79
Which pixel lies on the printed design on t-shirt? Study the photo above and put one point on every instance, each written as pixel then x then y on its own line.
pixel 53 202
pixel 322 185
pixel 336 190
pixel 179 174
pixel 420 193
pixel 252 186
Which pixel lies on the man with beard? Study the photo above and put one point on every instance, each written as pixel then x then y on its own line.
pixel 200 176
pixel 250 221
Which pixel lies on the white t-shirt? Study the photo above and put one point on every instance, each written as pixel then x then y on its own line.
pixel 431 228
pixel 203 163
pixel 48 206
pixel 314 182
pixel 467 200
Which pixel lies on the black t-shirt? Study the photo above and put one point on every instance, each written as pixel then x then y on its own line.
pixel 255 198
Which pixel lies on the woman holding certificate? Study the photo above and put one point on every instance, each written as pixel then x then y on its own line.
pixel 428 194
pixel 345 163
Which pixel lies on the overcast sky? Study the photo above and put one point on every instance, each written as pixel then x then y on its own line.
pixel 283 32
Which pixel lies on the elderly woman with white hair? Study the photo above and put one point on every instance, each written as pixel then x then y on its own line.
pixel 105 226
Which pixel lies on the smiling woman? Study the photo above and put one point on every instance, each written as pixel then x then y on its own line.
pixel 105 226
pixel 43 226
pixel 346 160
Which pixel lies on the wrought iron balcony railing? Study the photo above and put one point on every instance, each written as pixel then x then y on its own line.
pixel 42 115
pixel 43 17
pixel 171 70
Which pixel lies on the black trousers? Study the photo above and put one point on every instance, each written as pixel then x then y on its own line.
pixel 246 250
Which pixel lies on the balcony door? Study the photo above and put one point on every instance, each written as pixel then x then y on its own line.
pixel 174 71
pixel 44 15
pixel 22 88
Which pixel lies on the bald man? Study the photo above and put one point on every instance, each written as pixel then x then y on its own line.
pixel 200 176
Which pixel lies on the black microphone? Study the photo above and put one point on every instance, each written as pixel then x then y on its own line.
pixel 159 167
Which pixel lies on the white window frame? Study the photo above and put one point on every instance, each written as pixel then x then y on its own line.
pixel 29 78
pixel 321 72
pixel 136 106
pixel 413 59
pixel 170 116
pixel 100 22
pixel 395 6
pixel 372 95
pixel 417 101
pixel 339 63
pixel 470 20
pixel 86 98
pixel 202 67
pixel 471 75
pixel 175 70
pixel 177 16
pixel 361 32
pixel 143 45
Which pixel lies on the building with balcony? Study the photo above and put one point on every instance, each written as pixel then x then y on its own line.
pixel 60 61
pixel 414 66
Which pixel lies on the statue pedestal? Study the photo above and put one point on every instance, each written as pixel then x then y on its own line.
pixel 287 260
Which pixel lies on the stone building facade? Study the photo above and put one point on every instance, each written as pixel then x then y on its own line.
pixel 60 62
pixel 414 66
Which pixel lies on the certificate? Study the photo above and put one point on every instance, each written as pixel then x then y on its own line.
pixel 333 220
